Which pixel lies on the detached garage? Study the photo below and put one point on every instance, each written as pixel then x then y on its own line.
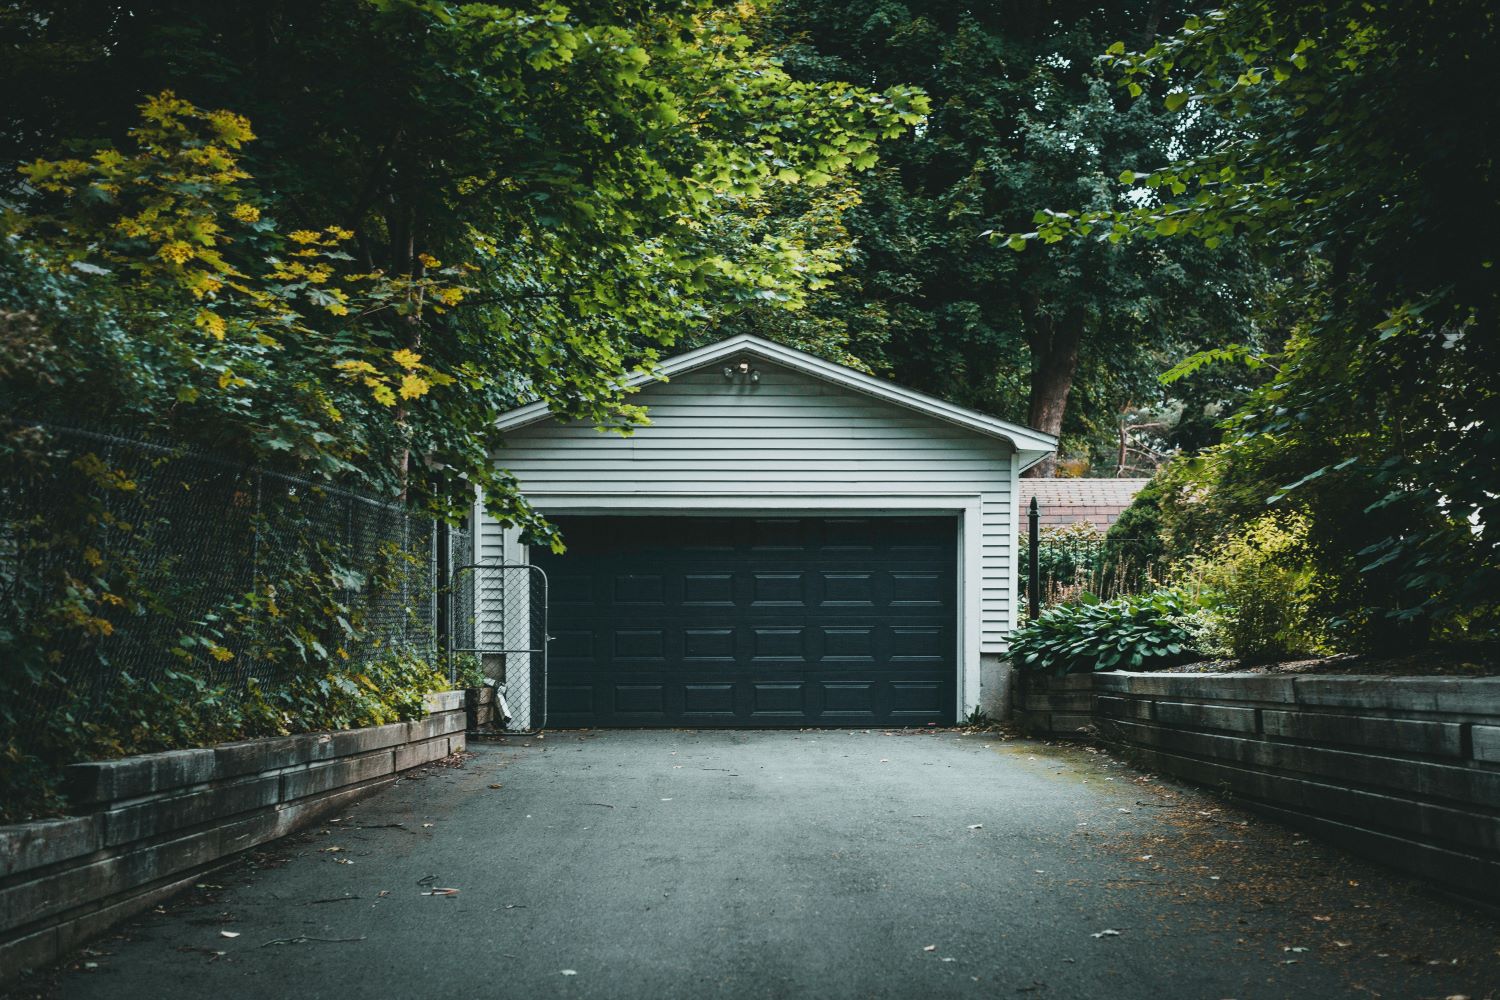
pixel 789 542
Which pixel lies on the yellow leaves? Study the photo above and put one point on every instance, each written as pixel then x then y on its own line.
pixel 166 108
pixel 228 380
pixel 412 379
pixel 220 653
pixel 246 213
pixel 92 557
pixel 175 252
pixel 303 236
pixel 414 386
pixel 232 129
pixel 203 285
pixel 448 295
pixel 428 260
pixel 55 175
pixel 210 321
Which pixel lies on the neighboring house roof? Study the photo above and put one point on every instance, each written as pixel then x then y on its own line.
pixel 1032 445
pixel 1069 501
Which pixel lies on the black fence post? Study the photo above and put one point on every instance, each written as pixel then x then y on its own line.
pixel 444 609
pixel 1034 577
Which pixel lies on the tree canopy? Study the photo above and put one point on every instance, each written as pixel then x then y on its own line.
pixel 1355 135
pixel 348 235
pixel 1021 117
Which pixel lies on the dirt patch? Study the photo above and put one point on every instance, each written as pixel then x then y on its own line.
pixel 1427 664
pixel 1283 897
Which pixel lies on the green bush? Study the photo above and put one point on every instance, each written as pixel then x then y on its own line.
pixel 1261 583
pixel 184 709
pixel 1142 632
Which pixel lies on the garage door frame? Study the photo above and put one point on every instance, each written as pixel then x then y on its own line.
pixel 965 505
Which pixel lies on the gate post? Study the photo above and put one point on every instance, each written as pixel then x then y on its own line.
pixel 1034 580
pixel 443 612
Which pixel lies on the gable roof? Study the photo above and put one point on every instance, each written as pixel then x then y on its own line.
pixel 1100 502
pixel 1032 445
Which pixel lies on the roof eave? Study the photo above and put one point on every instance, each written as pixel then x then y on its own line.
pixel 1032 445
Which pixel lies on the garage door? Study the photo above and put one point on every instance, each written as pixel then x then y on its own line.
pixel 694 621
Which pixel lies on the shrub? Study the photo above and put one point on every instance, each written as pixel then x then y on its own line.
pixel 1261 582
pixel 1141 632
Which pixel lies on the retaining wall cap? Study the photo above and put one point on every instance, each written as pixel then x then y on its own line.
pixel 1217 687
pixel 1459 695
pixel 444 701
pixel 132 777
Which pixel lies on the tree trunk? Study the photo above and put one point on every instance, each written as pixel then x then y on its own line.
pixel 1054 362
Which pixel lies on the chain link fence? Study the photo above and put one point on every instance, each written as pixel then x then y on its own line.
pixel 500 617
pixel 125 556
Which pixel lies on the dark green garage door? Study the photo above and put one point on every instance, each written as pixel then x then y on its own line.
pixel 697 621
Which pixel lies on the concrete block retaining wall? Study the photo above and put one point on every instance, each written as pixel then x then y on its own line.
pixel 145 827
pixel 1404 770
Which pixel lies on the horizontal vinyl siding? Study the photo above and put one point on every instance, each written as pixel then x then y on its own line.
pixel 787 434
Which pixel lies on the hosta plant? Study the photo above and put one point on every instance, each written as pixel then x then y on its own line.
pixel 1141 632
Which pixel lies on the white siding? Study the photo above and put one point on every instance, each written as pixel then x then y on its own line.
pixel 787 435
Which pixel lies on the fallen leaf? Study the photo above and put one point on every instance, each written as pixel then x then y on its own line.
pixel 1342 944
pixel 441 892
pixel 1298 950
pixel 427 826
pixel 930 947
pixel 331 850
pixel 343 861
pixel 666 800
pixel 497 786
pixel 570 972
pixel 1107 932
pixel 1323 920
pixel 977 826
pixel 229 934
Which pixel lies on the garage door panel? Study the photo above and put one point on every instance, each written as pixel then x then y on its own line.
pixel 753 621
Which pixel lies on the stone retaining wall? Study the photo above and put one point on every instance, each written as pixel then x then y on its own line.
pixel 146 827
pixel 1405 770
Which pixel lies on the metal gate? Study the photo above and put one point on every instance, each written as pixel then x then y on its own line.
pixel 498 612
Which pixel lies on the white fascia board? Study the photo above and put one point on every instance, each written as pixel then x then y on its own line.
pixel 1031 445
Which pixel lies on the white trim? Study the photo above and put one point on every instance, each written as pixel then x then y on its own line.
pixel 1015 547
pixel 970 535
pixel 1033 445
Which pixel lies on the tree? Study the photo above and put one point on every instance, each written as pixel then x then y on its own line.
pixel 523 198
pixel 1065 340
pixel 1349 139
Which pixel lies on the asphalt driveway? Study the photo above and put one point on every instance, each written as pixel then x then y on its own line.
pixel 808 864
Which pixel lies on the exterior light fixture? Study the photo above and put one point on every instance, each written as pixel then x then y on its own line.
pixel 741 371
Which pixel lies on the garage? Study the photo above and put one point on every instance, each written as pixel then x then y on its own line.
pixel 752 621
pixel 787 542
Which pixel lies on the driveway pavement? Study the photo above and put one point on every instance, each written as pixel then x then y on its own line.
pixel 808 864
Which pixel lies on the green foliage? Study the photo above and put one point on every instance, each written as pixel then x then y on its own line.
pixel 467 671
pixel 184 708
pixel 1142 632
pixel 1342 145
pixel 448 209
pixel 1021 117
pixel 1263 589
